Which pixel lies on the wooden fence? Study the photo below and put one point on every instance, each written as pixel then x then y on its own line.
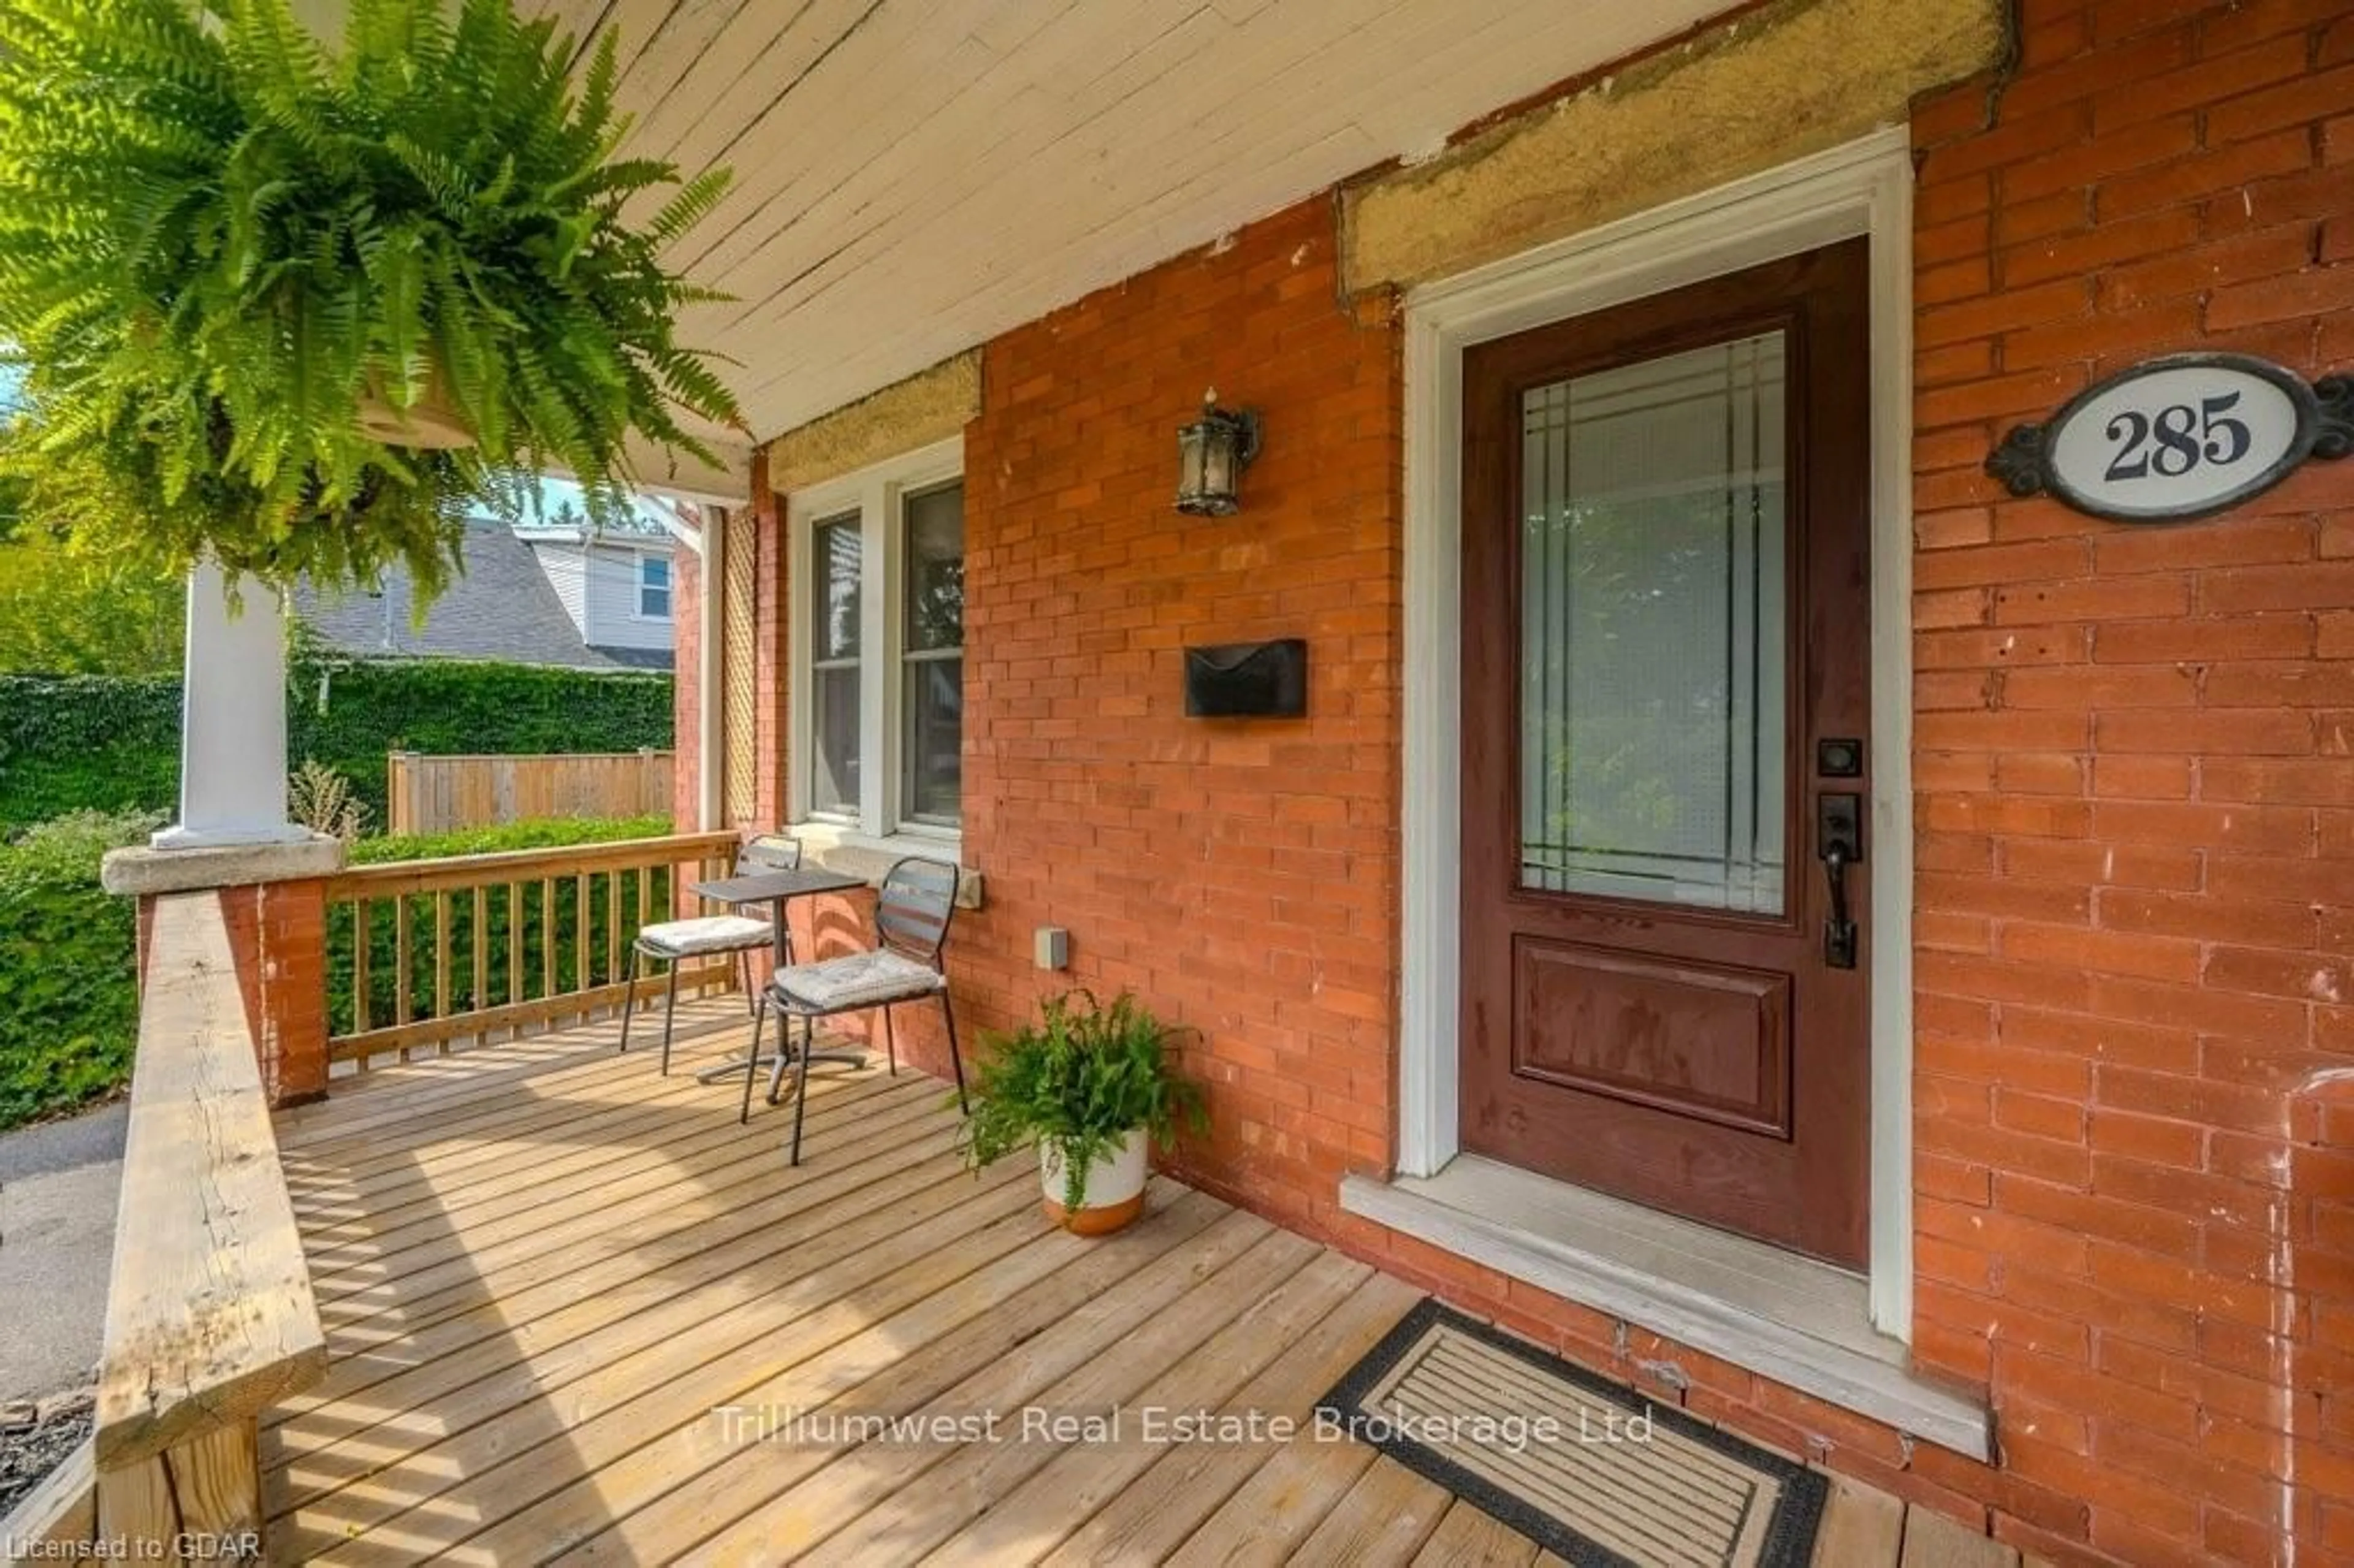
pixel 424 952
pixel 436 794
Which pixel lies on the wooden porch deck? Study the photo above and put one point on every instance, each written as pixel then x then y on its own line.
pixel 542 1268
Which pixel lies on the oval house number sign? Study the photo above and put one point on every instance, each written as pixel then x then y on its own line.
pixel 2185 436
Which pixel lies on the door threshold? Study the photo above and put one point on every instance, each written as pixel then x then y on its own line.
pixel 1798 1322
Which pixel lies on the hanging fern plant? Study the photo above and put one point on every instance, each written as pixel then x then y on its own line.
pixel 305 307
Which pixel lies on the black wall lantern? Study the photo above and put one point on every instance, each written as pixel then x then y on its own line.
pixel 1211 453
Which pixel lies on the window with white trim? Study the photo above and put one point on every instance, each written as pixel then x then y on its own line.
pixel 878 646
pixel 653 587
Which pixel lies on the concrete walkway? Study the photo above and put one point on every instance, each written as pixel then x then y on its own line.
pixel 58 1183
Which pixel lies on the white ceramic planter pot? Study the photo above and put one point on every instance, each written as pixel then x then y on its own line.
pixel 1115 1189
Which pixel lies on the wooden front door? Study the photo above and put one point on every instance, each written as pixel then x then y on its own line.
pixel 1665 751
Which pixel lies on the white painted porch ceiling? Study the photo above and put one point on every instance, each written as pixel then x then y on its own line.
pixel 915 176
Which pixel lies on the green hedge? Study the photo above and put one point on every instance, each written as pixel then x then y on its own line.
pixel 69 1016
pixel 548 833
pixel 112 744
pixel 77 743
pixel 419 912
pixel 68 1001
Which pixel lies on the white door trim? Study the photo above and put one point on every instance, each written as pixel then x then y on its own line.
pixel 1864 187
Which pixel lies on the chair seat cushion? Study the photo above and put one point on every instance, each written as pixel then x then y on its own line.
pixel 861 979
pixel 710 933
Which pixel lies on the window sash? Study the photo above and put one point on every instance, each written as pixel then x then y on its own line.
pixel 653 587
pixel 834 780
pixel 837 601
pixel 922 724
pixel 837 753
pixel 914 753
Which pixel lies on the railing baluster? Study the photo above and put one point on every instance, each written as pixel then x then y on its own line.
pixel 482 997
pixel 363 935
pixel 403 1009
pixel 441 962
pixel 714 867
pixel 433 1008
pixel 612 926
pixel 514 953
pixel 547 936
pixel 580 937
pixel 646 916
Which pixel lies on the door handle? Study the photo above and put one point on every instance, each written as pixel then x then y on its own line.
pixel 1839 931
pixel 1839 842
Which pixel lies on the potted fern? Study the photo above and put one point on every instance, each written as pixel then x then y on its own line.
pixel 302 306
pixel 1092 1086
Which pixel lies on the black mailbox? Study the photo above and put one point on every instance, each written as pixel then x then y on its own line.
pixel 1247 680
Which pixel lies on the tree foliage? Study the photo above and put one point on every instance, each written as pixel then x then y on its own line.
pixel 66 612
pixel 221 240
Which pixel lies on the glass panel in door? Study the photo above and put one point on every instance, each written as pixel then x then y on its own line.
pixel 1654 632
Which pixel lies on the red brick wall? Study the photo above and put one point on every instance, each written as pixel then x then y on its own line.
pixel 2136 799
pixel 2135 802
pixel 1241 875
pixel 278 939
pixel 2319 1265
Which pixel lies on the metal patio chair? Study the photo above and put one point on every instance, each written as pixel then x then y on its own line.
pixel 912 914
pixel 673 942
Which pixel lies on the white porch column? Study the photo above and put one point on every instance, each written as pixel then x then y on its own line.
pixel 232 719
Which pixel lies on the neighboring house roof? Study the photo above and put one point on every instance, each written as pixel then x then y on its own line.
pixel 502 608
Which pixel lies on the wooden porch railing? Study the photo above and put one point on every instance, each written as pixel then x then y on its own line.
pixel 210 1315
pixel 422 953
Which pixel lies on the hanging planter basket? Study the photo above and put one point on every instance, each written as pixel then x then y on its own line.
pixel 267 220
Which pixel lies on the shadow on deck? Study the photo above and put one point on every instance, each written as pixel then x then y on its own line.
pixel 576 1311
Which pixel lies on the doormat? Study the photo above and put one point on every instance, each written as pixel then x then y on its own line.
pixel 1589 1470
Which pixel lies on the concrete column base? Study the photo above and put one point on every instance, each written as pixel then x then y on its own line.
pixel 140 872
